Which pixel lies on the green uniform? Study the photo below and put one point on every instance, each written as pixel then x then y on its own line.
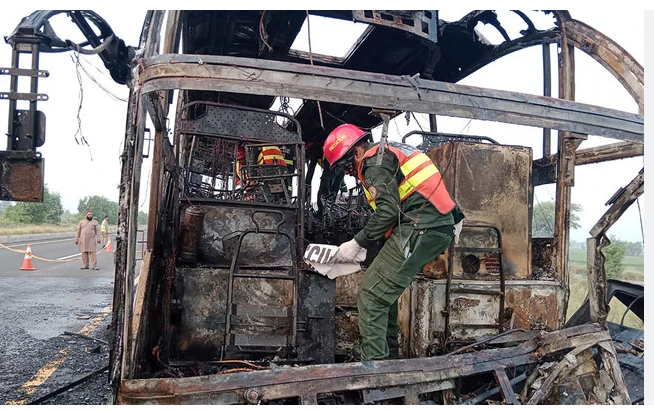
pixel 420 235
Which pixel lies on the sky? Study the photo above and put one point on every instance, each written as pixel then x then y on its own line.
pixel 78 170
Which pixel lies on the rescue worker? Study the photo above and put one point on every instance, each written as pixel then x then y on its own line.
pixel 271 155
pixel 240 163
pixel 104 230
pixel 268 155
pixel 412 208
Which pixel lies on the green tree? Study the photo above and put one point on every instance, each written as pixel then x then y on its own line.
pixel 613 256
pixel 47 212
pixel 542 223
pixel 142 218
pixel 101 206
pixel 3 206
pixel 634 249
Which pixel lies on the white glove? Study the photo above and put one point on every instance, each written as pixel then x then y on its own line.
pixel 457 230
pixel 347 252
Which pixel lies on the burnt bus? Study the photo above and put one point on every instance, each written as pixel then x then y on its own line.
pixel 223 309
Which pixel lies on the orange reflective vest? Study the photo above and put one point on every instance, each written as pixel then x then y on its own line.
pixel 420 174
pixel 271 155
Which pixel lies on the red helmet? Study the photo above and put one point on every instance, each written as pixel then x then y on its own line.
pixel 340 141
pixel 240 153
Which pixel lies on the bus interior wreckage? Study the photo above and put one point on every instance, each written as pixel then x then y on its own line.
pixel 226 311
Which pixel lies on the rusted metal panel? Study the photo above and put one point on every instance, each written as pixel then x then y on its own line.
pixel 534 304
pixel 311 381
pixel 491 184
pixel 536 307
pixel 21 178
pixel 200 333
pixel 218 73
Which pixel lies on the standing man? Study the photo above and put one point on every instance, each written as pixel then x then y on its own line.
pixel 412 209
pixel 104 229
pixel 88 233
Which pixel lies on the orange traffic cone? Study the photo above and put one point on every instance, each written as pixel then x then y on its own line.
pixel 27 261
pixel 108 248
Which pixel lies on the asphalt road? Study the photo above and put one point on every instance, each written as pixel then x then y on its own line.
pixel 37 308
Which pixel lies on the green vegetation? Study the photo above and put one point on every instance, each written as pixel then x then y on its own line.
pixel 101 206
pixel 47 212
pixel 543 218
pixel 50 217
pixel 625 267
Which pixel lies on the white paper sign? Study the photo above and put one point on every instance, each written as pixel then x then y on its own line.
pixel 319 256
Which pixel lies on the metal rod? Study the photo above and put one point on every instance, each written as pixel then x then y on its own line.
pixel 85 336
pixel 68 386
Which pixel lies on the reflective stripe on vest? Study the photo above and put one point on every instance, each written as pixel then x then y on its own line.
pixel 270 155
pixel 420 174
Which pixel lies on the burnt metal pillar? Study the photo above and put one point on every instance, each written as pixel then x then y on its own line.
pixel 432 123
pixel 547 91
pixel 565 171
pixel 619 203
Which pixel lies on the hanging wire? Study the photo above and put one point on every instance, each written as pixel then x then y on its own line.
pixel 102 87
pixel 467 126
pixel 79 133
pixel 262 31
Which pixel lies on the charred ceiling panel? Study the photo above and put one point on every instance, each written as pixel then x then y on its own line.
pixel 397 42
pixel 240 33
pixel 491 183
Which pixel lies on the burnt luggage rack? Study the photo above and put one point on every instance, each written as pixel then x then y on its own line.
pixel 261 320
pixel 462 289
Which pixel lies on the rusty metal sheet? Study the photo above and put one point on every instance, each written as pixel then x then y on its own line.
pixel 21 179
pixel 491 184
pixel 535 304
pixel 536 307
pixel 310 381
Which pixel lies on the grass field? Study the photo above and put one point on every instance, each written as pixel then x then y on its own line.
pixel 7 228
pixel 633 270
pixel 633 266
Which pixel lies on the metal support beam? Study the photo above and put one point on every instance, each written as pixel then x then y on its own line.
pixel 251 76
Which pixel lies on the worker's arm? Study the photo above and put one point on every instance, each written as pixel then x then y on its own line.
pixel 380 180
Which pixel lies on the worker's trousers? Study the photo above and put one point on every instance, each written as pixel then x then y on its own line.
pixel 404 254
